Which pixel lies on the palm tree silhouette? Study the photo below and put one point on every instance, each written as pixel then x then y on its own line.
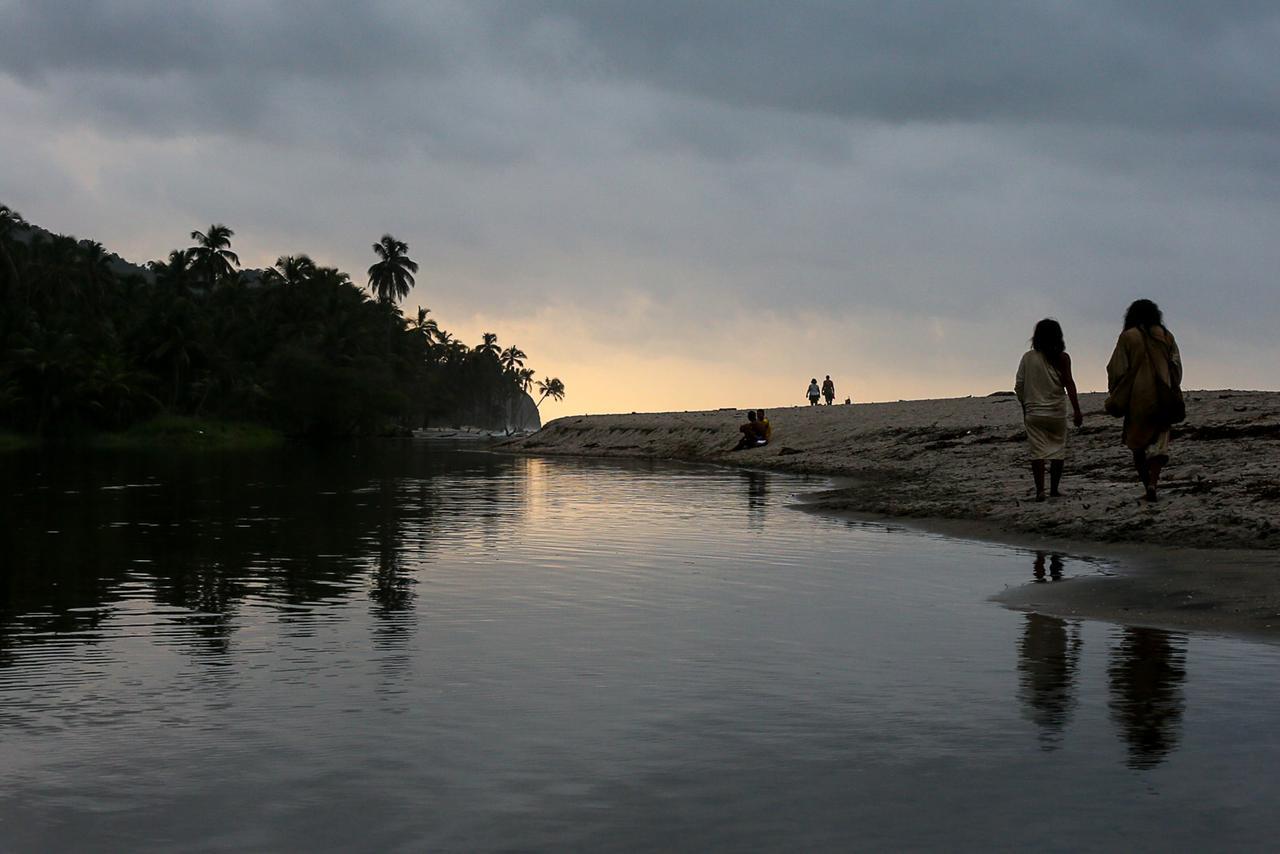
pixel 488 345
pixel 425 326
pixel 524 377
pixel 290 270
pixel 391 277
pixel 552 388
pixel 212 253
pixel 173 272
pixel 512 358
pixel 10 221
pixel 95 266
pixel 176 347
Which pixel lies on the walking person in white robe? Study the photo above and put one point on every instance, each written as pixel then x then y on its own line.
pixel 1043 375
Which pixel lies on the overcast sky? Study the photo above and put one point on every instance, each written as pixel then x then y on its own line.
pixel 689 205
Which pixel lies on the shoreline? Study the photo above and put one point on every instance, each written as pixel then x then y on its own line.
pixel 1216 591
pixel 1206 558
pixel 965 458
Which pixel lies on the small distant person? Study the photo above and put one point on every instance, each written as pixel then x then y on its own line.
pixel 1144 379
pixel 1043 374
pixel 752 433
pixel 763 425
pixel 814 392
pixel 829 390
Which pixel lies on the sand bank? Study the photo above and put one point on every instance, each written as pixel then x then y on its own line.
pixel 965 458
pixel 960 466
pixel 1224 591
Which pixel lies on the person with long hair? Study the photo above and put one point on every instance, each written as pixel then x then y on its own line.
pixel 1043 375
pixel 1145 363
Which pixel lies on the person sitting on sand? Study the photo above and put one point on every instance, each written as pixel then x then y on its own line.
pixel 1043 373
pixel 762 423
pixel 1143 381
pixel 829 390
pixel 752 433
pixel 814 392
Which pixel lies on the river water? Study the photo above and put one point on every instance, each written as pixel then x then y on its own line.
pixel 403 646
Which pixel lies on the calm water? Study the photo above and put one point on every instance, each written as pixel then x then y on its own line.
pixel 403 647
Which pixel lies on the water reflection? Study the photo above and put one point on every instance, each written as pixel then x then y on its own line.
pixel 211 545
pixel 1048 660
pixel 1145 676
pixel 1147 669
pixel 204 535
pixel 1055 567
pixel 482 653
pixel 757 498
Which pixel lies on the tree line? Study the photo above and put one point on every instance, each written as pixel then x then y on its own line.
pixel 90 343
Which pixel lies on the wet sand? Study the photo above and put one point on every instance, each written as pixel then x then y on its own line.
pixel 1204 557
pixel 1219 591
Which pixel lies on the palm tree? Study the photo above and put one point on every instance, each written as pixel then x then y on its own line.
pixel 54 275
pixel 392 277
pixel 512 358
pixel 524 377
pixel 113 390
pixel 290 270
pixel 177 344
pixel 10 221
pixel 425 326
pixel 95 266
pixel 330 277
pixel 552 388
pixel 212 253
pixel 174 271
pixel 488 345
pixel 457 352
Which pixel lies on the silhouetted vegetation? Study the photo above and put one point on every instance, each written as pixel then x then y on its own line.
pixel 91 343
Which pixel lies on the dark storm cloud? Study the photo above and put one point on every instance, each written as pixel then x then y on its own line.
pixel 1160 65
pixel 143 37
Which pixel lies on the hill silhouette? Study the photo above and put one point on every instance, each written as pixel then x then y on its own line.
pixel 91 341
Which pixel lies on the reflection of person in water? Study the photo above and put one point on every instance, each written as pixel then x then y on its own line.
pixel 1055 566
pixel 1048 656
pixel 757 495
pixel 1147 670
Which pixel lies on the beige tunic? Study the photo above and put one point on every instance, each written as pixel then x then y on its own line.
pixel 1039 388
pixel 1131 384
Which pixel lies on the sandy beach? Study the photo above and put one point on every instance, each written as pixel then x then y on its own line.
pixel 1203 557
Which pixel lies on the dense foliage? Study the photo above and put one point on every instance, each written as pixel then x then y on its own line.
pixel 89 343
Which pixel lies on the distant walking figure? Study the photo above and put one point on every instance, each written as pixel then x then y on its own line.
pixel 829 390
pixel 1144 379
pixel 814 392
pixel 1043 373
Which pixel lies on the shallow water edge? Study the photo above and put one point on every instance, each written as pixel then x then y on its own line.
pixel 1234 592
pixel 1225 579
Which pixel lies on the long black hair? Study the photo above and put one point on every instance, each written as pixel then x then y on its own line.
pixel 1143 313
pixel 1047 339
